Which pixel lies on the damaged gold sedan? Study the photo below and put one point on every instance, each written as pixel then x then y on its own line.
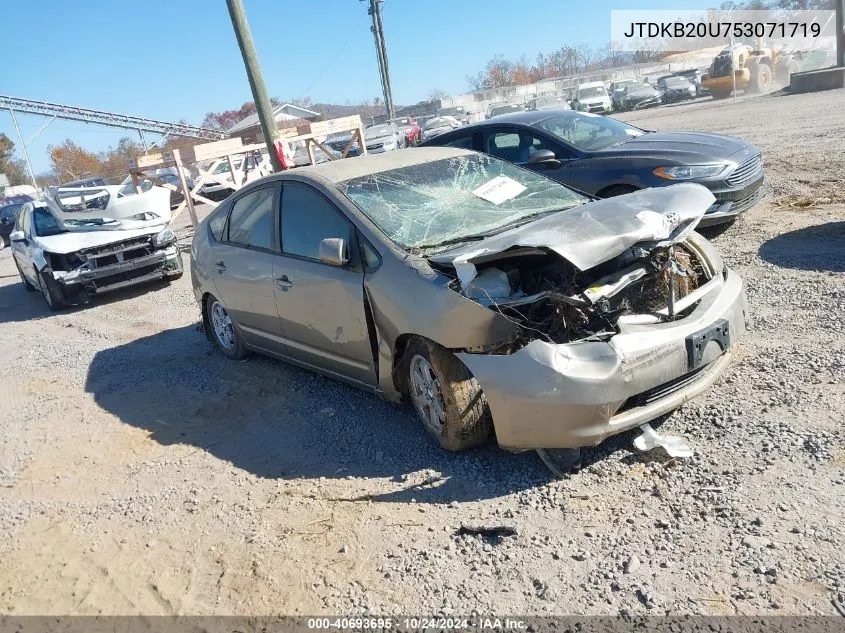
pixel 492 298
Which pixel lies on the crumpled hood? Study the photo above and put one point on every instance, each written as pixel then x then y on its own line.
pixel 74 241
pixel 593 233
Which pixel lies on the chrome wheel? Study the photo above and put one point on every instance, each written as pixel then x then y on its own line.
pixel 427 394
pixel 221 323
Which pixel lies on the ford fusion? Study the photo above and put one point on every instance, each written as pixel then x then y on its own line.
pixel 489 296
pixel 606 157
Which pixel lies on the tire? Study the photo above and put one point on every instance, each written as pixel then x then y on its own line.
pixel 50 290
pixel 715 230
pixel 561 461
pixel 447 398
pixel 719 94
pixel 223 330
pixel 761 79
pixel 27 286
pixel 618 190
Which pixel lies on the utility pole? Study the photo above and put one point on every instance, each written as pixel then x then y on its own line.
pixel 840 33
pixel 256 81
pixel 381 52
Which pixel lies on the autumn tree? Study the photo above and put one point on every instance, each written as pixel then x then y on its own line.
pixel 70 161
pixel 14 168
pixel 115 161
pixel 227 118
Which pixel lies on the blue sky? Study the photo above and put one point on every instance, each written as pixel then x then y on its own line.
pixel 143 59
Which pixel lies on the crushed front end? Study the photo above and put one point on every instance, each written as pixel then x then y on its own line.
pixel 119 264
pixel 604 348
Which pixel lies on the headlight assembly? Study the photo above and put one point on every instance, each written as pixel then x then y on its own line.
pixel 689 172
pixel 165 237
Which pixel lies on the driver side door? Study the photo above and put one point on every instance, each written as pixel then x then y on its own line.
pixel 321 306
pixel 22 251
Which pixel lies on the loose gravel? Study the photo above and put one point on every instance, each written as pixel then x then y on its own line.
pixel 141 472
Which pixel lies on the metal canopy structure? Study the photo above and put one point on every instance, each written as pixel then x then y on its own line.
pixel 111 119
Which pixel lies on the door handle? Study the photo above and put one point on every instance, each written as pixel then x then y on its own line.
pixel 283 282
pixel 221 266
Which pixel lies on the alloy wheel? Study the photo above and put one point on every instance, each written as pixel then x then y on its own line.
pixel 221 323
pixel 427 395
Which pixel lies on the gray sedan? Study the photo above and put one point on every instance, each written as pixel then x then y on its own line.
pixel 488 295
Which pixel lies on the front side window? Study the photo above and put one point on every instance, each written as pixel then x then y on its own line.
pixel 307 219
pixel 428 205
pixel 251 221
pixel 45 223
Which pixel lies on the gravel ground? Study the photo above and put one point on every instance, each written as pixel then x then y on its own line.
pixel 140 472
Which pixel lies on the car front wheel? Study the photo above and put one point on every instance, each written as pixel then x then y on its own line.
pixel 50 290
pixel 223 330
pixel 448 399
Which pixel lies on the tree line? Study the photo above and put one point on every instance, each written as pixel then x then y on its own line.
pixel 573 59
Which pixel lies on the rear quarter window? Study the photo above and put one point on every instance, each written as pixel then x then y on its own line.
pixel 217 221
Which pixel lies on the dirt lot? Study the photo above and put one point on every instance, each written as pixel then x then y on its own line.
pixel 140 472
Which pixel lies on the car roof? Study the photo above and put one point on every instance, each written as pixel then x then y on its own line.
pixel 359 166
pixel 523 117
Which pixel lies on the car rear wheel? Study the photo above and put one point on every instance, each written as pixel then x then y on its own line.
pixel 223 330
pixel 28 286
pixel 448 399
pixel 50 290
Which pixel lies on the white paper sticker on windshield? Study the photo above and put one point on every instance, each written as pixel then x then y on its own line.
pixel 499 190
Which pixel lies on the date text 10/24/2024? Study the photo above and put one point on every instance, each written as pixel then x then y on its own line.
pixel 417 624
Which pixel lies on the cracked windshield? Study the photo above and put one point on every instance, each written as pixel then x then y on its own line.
pixel 450 200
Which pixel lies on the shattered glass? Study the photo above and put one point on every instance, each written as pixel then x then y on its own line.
pixel 429 204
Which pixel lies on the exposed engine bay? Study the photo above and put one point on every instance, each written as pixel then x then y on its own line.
pixel 550 299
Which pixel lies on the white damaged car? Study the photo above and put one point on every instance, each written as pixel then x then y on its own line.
pixel 68 259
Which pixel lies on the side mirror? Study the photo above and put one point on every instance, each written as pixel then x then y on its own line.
pixel 17 236
pixel 544 157
pixel 333 251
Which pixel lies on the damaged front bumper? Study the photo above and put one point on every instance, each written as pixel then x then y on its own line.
pixel 161 264
pixel 577 394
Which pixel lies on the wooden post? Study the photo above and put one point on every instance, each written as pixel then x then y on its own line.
pixel 362 145
pixel 186 192
pixel 232 170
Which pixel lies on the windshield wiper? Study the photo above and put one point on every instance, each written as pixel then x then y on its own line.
pixel 451 241
pixel 499 229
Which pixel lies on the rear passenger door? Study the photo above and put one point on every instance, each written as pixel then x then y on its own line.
pixel 321 306
pixel 242 267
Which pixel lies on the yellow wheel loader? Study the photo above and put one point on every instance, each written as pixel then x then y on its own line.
pixel 755 70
